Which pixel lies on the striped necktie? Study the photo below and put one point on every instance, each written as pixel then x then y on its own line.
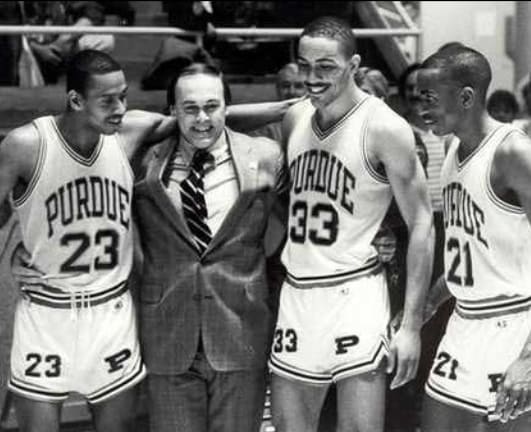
pixel 193 200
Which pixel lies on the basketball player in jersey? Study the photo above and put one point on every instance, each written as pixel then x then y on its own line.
pixel 348 154
pixel 481 375
pixel 70 182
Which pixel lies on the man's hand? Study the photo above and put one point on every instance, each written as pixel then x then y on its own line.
pixel 514 391
pixel 405 353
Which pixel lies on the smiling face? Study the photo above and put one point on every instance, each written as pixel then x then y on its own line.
pixel 104 101
pixel 200 109
pixel 326 69
pixel 439 104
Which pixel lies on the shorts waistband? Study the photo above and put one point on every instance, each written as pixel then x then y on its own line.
pixel 76 299
pixel 372 267
pixel 492 308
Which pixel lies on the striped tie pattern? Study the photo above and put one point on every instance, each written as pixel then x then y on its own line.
pixel 193 200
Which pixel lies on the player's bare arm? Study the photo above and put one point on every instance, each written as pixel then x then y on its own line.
pixel 246 117
pixel 144 128
pixel 391 143
pixel 437 295
pixel 18 157
pixel 510 179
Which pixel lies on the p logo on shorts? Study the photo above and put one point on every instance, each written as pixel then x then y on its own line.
pixel 345 342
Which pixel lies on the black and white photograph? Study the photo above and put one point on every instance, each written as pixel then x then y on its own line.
pixel 265 216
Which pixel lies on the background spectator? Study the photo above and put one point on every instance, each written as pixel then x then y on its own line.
pixel 502 105
pixel 53 52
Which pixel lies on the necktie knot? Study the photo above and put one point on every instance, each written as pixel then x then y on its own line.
pixel 200 158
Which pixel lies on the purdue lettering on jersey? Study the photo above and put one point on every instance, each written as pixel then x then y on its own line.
pixel 88 197
pixel 487 266
pixel 461 211
pixel 337 200
pixel 75 219
pixel 319 171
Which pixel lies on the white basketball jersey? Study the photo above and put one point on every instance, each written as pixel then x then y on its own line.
pixel 75 213
pixel 487 254
pixel 337 199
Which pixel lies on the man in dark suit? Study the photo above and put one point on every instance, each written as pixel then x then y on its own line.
pixel 202 207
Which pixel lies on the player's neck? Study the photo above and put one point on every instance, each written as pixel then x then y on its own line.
pixel 329 115
pixel 474 130
pixel 77 135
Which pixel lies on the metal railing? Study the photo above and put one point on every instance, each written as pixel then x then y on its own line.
pixel 222 32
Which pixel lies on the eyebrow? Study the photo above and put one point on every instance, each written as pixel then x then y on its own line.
pixel 321 59
pixel 115 93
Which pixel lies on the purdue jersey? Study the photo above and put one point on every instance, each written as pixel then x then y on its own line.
pixel 337 199
pixel 75 217
pixel 487 242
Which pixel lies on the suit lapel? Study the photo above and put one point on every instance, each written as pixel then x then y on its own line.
pixel 246 168
pixel 160 192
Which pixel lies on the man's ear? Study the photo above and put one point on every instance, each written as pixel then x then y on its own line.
pixel 173 111
pixel 354 63
pixel 75 100
pixel 467 97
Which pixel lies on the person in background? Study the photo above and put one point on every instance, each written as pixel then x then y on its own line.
pixel 502 106
pixel 289 84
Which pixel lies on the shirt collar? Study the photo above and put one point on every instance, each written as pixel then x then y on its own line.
pixel 219 150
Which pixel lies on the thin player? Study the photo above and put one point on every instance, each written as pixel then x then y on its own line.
pixel 71 184
pixel 348 154
pixel 481 377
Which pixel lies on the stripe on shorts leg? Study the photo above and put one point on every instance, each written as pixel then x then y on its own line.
pixel 437 393
pixel 283 369
pixel 366 365
pixel 116 387
pixel 33 392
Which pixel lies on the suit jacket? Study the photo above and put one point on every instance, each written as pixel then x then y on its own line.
pixel 222 294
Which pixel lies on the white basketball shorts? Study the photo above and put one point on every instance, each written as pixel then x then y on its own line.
pixel 473 357
pixel 323 335
pixel 92 350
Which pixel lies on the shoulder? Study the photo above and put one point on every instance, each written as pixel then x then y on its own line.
pixel 19 151
pixel 294 114
pixel 513 147
pixel 263 146
pixel 384 122
pixel 388 134
pixel 22 141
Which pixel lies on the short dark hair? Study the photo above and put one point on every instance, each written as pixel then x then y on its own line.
pixel 463 65
pixel 332 28
pixel 503 98
pixel 196 68
pixel 85 64
pixel 404 76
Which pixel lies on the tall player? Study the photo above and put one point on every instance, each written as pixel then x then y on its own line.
pixel 482 370
pixel 348 155
pixel 71 184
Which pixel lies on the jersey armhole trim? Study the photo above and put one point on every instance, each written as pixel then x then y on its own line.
pixel 18 202
pixel 371 169
pixel 496 200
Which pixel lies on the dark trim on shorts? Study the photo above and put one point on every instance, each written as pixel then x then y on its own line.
pixel 287 371
pixel 23 389
pixel 74 299
pixel 493 310
pixel 117 387
pixel 353 368
pixel 450 399
pixel 372 267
